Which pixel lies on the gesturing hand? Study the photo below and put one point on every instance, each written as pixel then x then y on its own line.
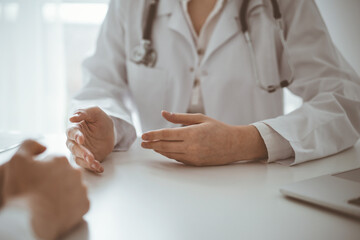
pixel 53 190
pixel 91 139
pixel 205 141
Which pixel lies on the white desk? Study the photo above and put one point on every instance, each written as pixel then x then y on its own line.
pixel 142 195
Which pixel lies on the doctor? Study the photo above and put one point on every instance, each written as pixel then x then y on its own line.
pixel 218 68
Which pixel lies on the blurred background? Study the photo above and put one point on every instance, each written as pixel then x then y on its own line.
pixel 43 42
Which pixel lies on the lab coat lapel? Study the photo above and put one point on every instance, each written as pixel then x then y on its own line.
pixel 228 25
pixel 166 7
pixel 225 28
pixel 179 24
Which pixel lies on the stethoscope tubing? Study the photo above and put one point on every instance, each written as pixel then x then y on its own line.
pixel 148 55
pixel 150 20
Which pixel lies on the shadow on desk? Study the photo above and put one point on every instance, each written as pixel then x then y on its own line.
pixel 95 180
pixel 80 232
pixel 225 175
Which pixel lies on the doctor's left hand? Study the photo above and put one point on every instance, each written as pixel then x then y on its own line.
pixel 91 138
pixel 205 141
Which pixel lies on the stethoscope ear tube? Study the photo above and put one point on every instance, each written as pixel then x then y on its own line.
pixel 284 83
pixel 276 9
pixel 245 29
pixel 243 13
pixel 150 20
pixel 243 16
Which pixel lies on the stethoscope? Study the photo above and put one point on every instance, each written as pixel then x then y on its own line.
pixel 146 55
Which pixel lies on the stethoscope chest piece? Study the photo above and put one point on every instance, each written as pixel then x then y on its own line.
pixel 144 54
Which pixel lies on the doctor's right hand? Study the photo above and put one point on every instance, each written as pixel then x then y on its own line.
pixel 91 138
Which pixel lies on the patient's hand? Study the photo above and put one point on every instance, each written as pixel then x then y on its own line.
pixel 52 188
pixel 91 139
pixel 205 141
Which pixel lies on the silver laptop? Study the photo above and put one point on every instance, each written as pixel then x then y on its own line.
pixel 340 191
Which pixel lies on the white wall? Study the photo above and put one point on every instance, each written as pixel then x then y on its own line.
pixel 343 20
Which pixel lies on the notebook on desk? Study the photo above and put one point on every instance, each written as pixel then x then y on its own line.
pixel 10 140
pixel 339 191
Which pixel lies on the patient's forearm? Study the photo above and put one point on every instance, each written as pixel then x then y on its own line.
pixel 2 175
pixel 44 220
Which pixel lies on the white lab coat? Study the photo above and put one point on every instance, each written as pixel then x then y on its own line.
pixel 327 122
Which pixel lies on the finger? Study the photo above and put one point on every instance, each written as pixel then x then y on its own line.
pixel 88 114
pixel 94 167
pixel 31 147
pixel 82 163
pixel 80 115
pixel 80 150
pixel 180 157
pixel 175 134
pixel 165 146
pixel 75 134
pixel 59 160
pixel 183 118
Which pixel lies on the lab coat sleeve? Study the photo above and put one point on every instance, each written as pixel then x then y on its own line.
pixel 329 119
pixel 278 148
pixel 124 135
pixel 15 222
pixel 105 77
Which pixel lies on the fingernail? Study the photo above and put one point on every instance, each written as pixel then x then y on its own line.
pixel 145 137
pixel 78 139
pixel 166 112
pixel 97 168
pixel 93 166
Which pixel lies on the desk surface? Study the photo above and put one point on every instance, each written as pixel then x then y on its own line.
pixel 142 195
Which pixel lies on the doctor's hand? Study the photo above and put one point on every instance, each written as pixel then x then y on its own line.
pixel 205 141
pixel 91 138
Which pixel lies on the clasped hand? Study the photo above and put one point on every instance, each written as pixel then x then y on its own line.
pixel 52 190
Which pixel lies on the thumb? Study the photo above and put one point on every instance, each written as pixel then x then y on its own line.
pixel 79 115
pixel 31 147
pixel 88 114
pixel 183 118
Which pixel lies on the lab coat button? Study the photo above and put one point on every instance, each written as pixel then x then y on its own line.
pixel 196 82
pixel 200 51
pixel 191 69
